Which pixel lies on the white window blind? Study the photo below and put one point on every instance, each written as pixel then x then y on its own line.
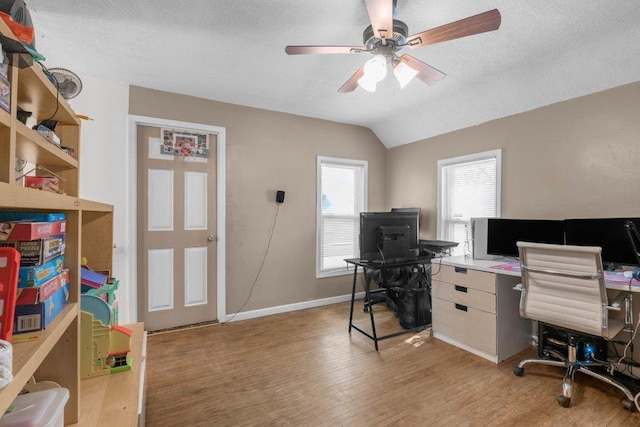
pixel 469 188
pixel 341 198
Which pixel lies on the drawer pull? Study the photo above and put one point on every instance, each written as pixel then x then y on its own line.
pixel 461 289
pixel 461 270
pixel 461 307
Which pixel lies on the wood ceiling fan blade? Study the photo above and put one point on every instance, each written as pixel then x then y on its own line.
pixel 302 50
pixel 487 21
pixel 351 84
pixel 381 17
pixel 426 72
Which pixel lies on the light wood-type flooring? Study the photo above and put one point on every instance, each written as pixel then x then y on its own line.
pixel 304 369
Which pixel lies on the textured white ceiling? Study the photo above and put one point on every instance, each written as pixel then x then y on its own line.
pixel 233 51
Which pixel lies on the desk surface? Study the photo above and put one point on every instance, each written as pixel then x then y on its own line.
pixel 509 267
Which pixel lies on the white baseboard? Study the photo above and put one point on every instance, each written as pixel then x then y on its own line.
pixel 288 307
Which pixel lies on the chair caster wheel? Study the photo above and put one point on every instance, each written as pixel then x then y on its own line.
pixel 564 401
pixel 518 371
pixel 629 405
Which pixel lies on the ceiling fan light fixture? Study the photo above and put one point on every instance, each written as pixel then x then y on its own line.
pixel 367 83
pixel 374 71
pixel 404 74
pixel 376 68
pixel 385 37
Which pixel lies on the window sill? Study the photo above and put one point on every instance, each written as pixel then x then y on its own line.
pixel 334 273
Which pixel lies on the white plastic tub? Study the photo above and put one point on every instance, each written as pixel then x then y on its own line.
pixel 38 409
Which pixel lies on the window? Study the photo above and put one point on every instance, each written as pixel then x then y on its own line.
pixel 341 196
pixel 468 187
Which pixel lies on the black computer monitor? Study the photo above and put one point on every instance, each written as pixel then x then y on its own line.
pixel 412 210
pixel 386 236
pixel 502 234
pixel 608 233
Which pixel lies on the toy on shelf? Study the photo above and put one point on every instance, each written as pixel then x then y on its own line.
pixel 98 283
pixel 107 292
pixel 37 294
pixel 37 252
pixel 32 216
pixel 42 283
pixel 26 230
pixel 40 274
pixel 104 346
pixel 34 317
pixel 90 279
pixel 38 237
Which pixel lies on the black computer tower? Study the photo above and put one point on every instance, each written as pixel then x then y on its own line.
pixel 589 347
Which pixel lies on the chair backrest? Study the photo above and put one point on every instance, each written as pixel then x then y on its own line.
pixel 564 286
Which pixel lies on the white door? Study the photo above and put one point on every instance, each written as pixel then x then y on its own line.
pixel 176 227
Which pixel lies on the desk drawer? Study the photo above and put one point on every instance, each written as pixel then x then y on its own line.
pixel 470 297
pixel 474 279
pixel 473 328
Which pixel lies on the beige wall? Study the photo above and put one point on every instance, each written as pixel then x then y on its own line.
pixel 269 151
pixel 578 158
pixel 575 159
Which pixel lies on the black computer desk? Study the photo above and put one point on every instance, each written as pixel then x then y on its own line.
pixel 368 303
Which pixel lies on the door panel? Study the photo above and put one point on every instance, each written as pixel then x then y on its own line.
pixel 176 229
pixel 195 198
pixel 160 196
pixel 195 276
pixel 160 282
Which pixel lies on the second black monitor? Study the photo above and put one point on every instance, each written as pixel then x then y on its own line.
pixel 502 234
pixel 608 233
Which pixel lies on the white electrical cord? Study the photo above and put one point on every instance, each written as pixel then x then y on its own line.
pixel 624 354
pixel 626 347
pixel 6 363
pixel 264 257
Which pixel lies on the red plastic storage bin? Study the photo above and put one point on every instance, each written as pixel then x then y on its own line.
pixel 9 268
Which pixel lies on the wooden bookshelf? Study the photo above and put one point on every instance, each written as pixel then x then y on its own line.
pixel 28 356
pixel 89 228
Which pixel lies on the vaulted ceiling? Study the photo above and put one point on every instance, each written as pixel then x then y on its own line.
pixel 545 51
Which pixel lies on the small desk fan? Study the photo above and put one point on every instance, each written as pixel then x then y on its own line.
pixel 69 84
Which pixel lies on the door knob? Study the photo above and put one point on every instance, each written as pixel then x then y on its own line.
pixel 211 238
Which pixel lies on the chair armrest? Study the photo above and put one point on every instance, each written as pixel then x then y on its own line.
pixel 523 292
pixel 624 300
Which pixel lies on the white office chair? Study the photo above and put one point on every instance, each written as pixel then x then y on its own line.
pixel 563 287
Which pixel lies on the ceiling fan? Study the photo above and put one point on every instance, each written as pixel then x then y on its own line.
pixel 386 36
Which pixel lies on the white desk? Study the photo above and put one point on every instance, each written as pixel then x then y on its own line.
pixel 476 308
pixel 485 265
